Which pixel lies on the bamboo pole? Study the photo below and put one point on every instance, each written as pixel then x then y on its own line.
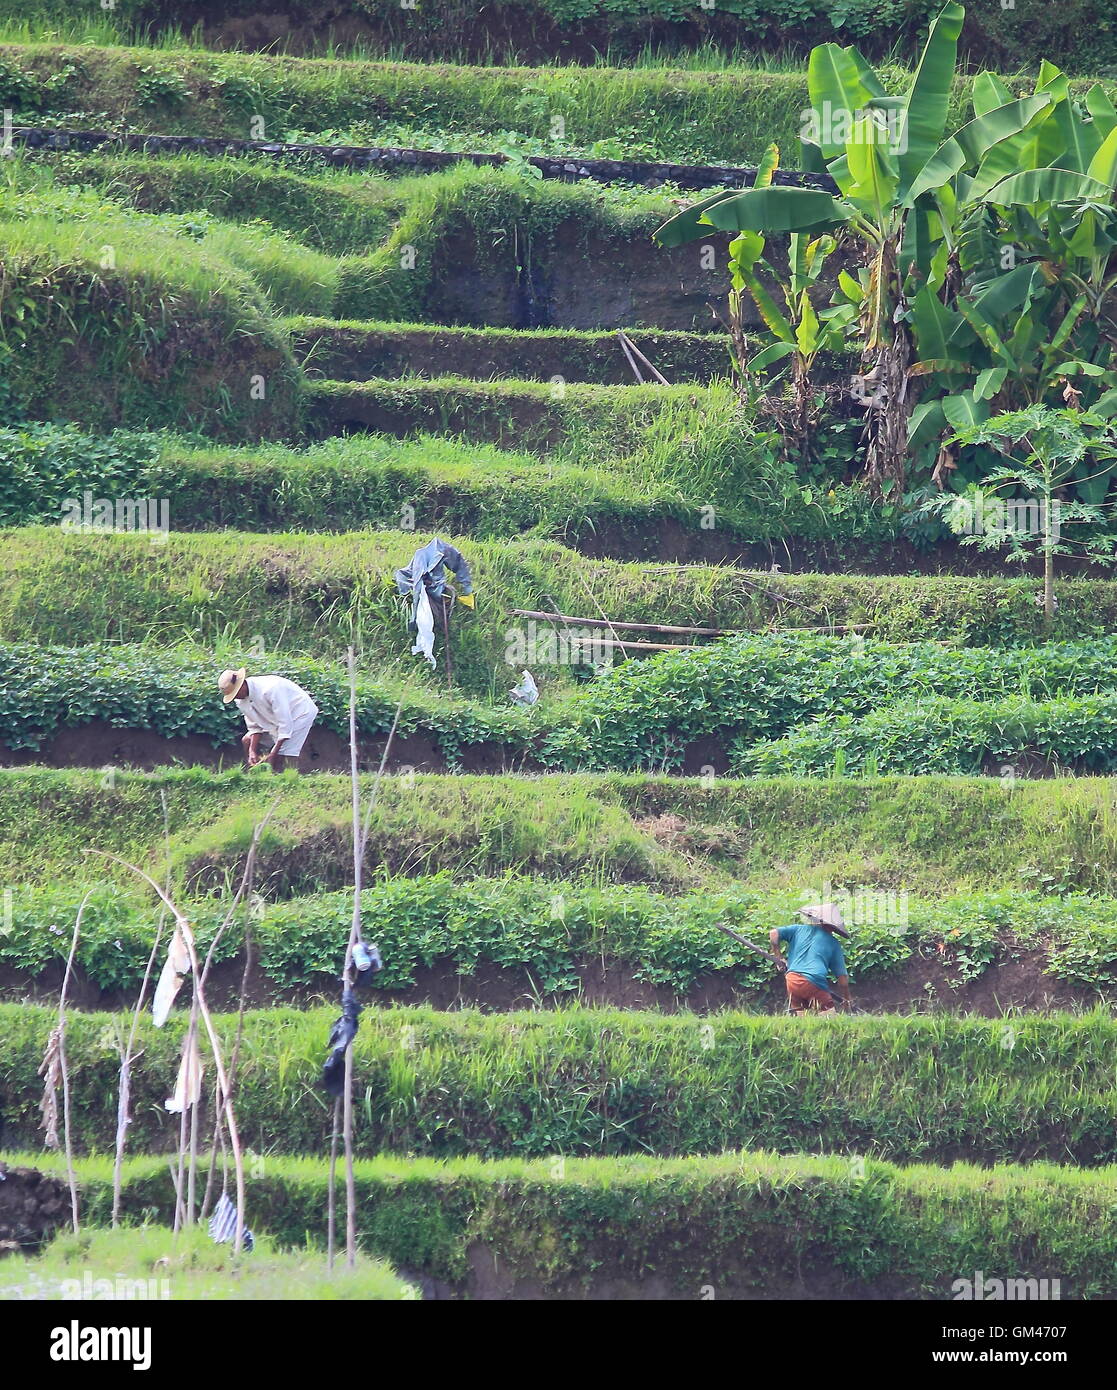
pixel 67 1138
pixel 354 937
pixel 636 352
pixel 127 1057
pixel 628 354
pixel 630 644
pixel 627 627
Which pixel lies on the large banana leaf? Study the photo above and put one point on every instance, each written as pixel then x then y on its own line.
pixel 989 382
pixel 963 410
pixel 834 80
pixel 989 92
pixel 1007 294
pixel 925 423
pixel 928 101
pixel 807 331
pixel 768 309
pixel 769 163
pixel 774 352
pixel 778 210
pixel 1079 139
pixel 1101 109
pixel 937 328
pixel 1103 166
pixel 685 226
pixel 873 175
pixel 1046 186
pixel 972 143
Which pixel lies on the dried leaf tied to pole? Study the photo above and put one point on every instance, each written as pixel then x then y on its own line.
pixel 175 969
pixel 188 1087
pixel 51 1071
pixel 55 1073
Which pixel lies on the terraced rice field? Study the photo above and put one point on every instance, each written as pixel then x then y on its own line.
pixel 237 390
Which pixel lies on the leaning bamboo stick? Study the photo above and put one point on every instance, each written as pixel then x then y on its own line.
pixel 626 627
pixel 631 360
pixel 630 644
pixel 626 340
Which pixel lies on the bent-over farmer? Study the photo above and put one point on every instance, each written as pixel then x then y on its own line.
pixel 274 706
pixel 814 958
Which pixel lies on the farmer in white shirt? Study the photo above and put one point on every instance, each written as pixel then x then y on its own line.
pixel 271 705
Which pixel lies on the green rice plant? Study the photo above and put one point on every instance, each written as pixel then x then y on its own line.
pixel 608 1082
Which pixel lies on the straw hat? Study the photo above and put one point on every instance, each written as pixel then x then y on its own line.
pixel 825 915
pixel 229 682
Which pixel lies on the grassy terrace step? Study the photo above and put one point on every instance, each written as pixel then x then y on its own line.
pixel 720 116
pixel 921 835
pixel 521 942
pixel 533 416
pixel 600 1082
pixel 744 1225
pixel 727 116
pixel 355 351
pixel 310 594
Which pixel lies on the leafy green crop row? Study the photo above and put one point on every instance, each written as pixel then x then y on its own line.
pixel 968 703
pixel 549 928
pixel 644 714
pixel 942 734
pixel 44 689
pixel 600 1082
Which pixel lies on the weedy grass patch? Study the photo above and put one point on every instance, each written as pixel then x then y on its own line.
pixel 154 1262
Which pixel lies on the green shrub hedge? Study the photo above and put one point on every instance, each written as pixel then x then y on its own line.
pixel 735 1225
pixel 603 1081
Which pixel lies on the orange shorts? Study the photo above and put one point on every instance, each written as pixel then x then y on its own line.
pixel 804 994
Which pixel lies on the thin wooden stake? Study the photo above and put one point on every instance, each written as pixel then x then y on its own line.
pixel 446 642
pixel 67 1137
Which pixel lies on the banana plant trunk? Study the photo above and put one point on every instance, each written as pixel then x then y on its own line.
pixel 888 395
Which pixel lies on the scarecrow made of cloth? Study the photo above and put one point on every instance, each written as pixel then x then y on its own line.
pixel 426 577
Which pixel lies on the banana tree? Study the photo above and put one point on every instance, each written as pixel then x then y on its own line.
pixel 799 330
pixel 933 298
pixel 875 148
pixel 1027 230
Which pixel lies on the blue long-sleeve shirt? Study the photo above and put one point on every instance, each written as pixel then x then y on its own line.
pixel 813 952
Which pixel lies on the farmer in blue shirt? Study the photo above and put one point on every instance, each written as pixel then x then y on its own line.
pixel 814 958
